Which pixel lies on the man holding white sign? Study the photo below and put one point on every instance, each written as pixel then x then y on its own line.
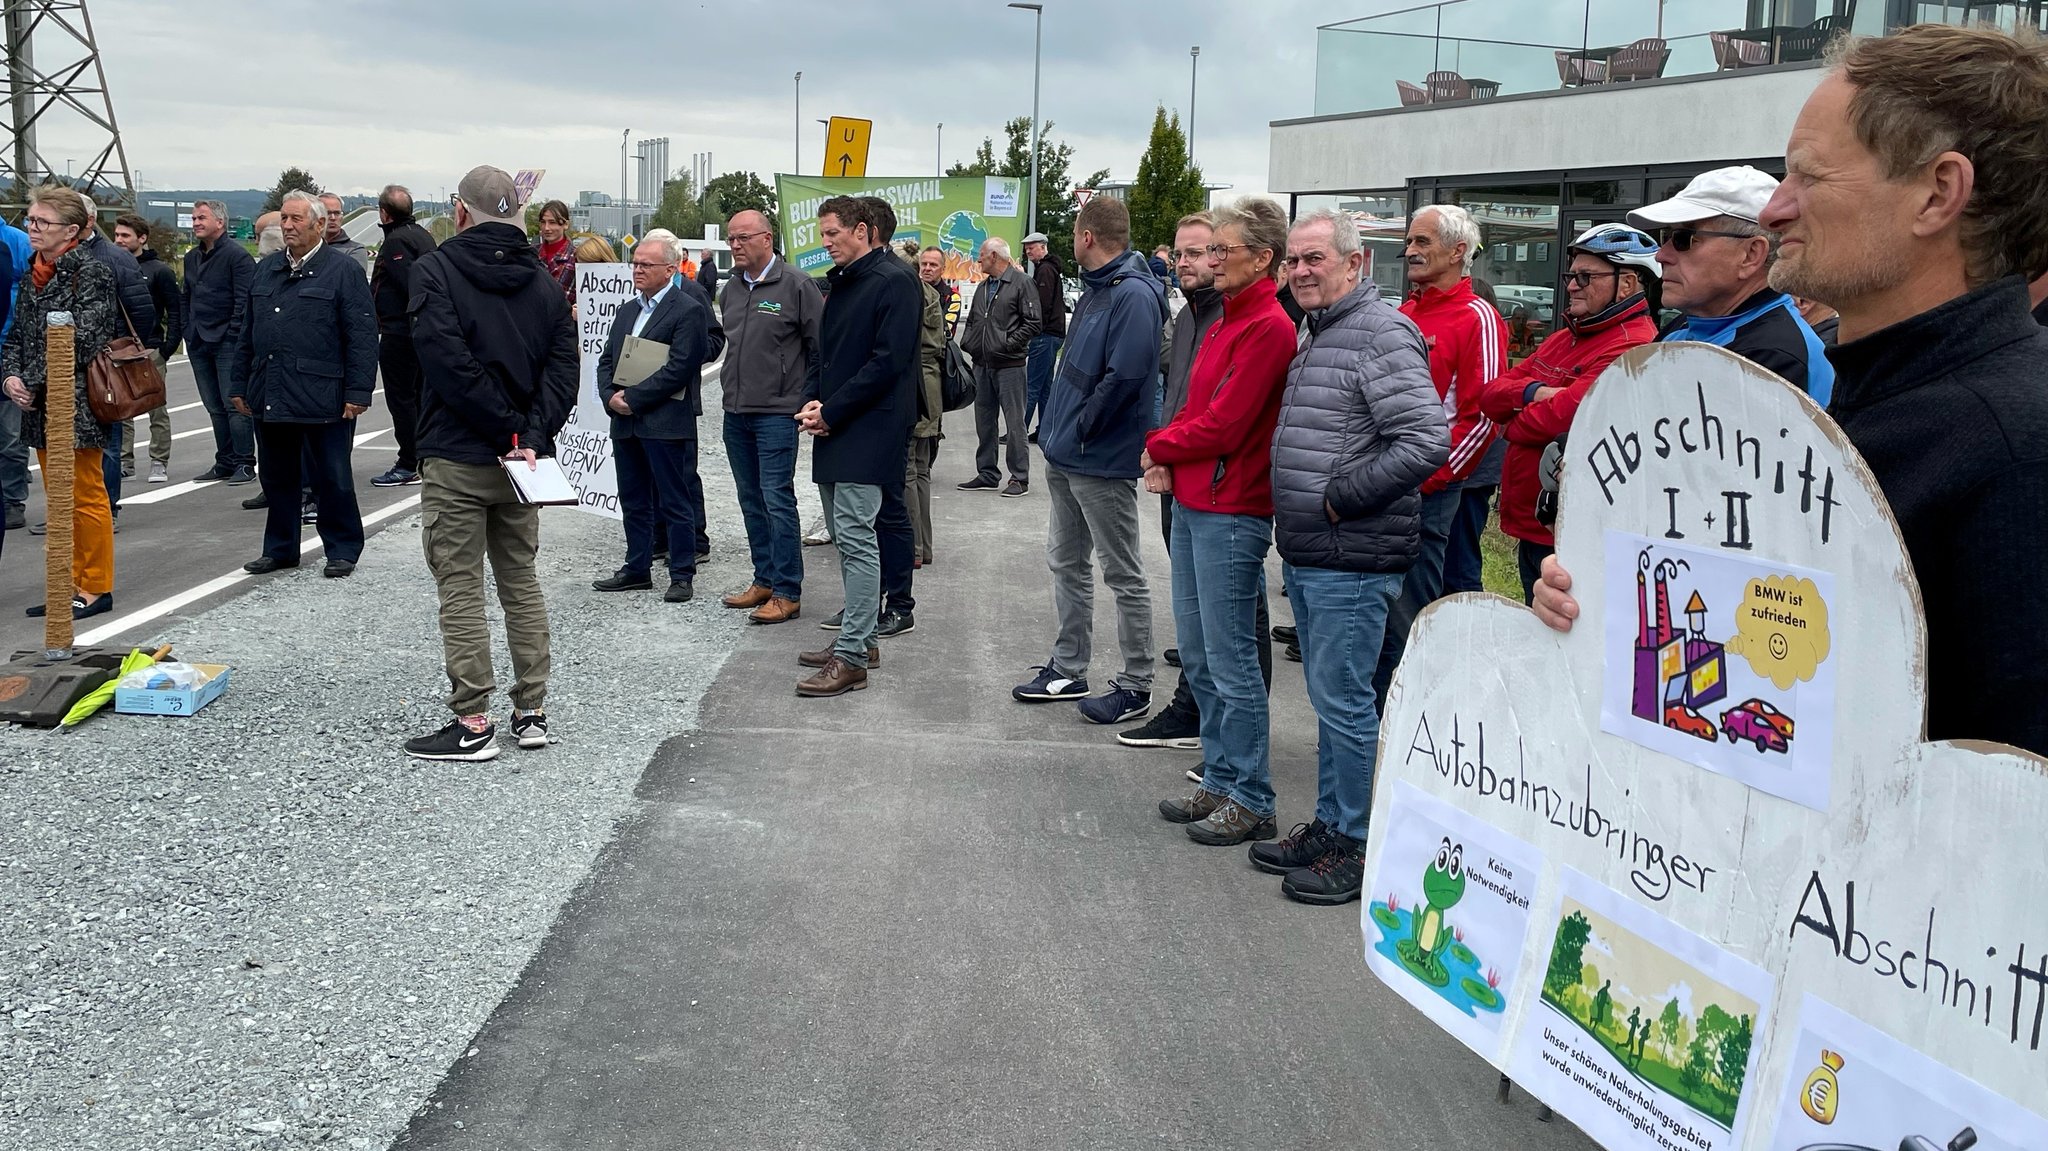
pixel 1913 205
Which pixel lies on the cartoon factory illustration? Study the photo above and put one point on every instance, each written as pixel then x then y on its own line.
pixel 1673 669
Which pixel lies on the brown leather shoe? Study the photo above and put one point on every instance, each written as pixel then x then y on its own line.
pixel 837 677
pixel 1190 808
pixel 754 596
pixel 1230 825
pixel 821 658
pixel 777 609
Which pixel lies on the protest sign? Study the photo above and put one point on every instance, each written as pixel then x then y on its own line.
pixel 1720 782
pixel 955 214
pixel 584 448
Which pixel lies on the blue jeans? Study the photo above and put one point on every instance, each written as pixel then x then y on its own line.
pixel 1039 356
pixel 1423 586
pixel 1464 569
pixel 13 456
pixel 1342 618
pixel 762 451
pixel 1218 575
pixel 654 495
pixel 234 434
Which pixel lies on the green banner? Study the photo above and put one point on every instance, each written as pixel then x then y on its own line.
pixel 956 214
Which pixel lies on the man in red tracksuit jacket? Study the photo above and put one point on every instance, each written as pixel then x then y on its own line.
pixel 1533 403
pixel 1468 347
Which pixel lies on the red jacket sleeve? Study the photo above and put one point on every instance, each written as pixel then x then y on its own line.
pixel 1501 398
pixel 1545 420
pixel 1482 356
pixel 1258 366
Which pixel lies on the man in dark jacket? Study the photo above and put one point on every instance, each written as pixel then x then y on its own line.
pixel 1717 261
pixel 1049 278
pixel 1093 432
pixel 707 274
pixel 771 320
pixel 1000 324
pixel 861 403
pixel 131 233
pixel 1361 428
pixel 654 421
pixel 217 275
pixel 391 287
pixel 498 368
pixel 1942 381
pixel 304 368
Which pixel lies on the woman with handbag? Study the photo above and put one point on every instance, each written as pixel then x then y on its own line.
pixel 65 279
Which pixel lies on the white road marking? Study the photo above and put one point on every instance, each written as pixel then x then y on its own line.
pixel 157 495
pixel 308 548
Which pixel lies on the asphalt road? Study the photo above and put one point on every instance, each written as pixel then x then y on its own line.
pixel 182 544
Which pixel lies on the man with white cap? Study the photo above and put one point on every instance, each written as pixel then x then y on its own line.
pixel 1717 263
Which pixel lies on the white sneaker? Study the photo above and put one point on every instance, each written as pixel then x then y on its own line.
pixel 159 474
pixel 818 537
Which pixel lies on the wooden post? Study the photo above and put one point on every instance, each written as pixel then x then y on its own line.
pixel 60 457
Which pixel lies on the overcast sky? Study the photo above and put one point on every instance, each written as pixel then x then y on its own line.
pixel 224 93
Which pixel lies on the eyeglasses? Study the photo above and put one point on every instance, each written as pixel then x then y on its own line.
pixel 1582 280
pixel 1681 239
pixel 1218 251
pixel 745 237
pixel 1314 260
pixel 648 264
pixel 38 224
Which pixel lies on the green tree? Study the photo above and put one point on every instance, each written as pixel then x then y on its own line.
pixel 1732 1059
pixel 1699 1062
pixel 1168 185
pixel 1056 205
pixel 681 210
pixel 736 192
pixel 292 179
pixel 1669 1023
pixel 1568 953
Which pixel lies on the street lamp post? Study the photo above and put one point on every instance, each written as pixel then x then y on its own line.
pixel 1037 43
pixel 939 160
pixel 797 126
pixel 1194 66
pixel 623 137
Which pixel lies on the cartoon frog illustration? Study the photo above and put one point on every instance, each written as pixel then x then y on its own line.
pixel 1443 885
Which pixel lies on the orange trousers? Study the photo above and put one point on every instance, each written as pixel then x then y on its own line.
pixel 92 522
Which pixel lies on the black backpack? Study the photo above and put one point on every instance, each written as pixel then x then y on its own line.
pixel 956 378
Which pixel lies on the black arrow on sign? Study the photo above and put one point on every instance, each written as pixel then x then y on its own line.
pixel 845 162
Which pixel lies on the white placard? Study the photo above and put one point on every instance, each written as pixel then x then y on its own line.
pixel 584 448
pixel 1000 196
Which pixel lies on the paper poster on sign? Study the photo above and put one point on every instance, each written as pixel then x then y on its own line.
pixel 1449 906
pixel 951 214
pixel 1836 854
pixel 1851 1087
pixel 1646 1034
pixel 584 448
pixel 1721 659
pixel 1001 195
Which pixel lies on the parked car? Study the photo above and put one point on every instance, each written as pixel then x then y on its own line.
pixel 1679 717
pixel 1541 301
pixel 1741 722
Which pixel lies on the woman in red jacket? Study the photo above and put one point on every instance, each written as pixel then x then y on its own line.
pixel 1216 457
pixel 1534 401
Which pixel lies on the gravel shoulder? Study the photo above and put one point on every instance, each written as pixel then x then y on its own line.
pixel 264 926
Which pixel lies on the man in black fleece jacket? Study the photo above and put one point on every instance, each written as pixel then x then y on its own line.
pixel 391 289
pixel 1924 244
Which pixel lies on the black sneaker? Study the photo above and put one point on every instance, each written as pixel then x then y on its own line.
pixel 1335 878
pixel 835 621
pixel 1015 488
pixel 530 729
pixel 397 477
pixel 1286 634
pixel 1197 773
pixel 1117 705
pixel 17 517
pixel 1049 686
pixel 1303 846
pixel 977 484
pixel 212 475
pixel 461 741
pixel 1171 656
pixel 895 623
pixel 1293 652
pixel 242 476
pixel 1170 728
pixel 309 512
pixel 257 502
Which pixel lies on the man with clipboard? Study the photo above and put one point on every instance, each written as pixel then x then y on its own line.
pixel 651 378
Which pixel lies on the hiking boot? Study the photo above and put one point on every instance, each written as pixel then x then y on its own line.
pixel 1230 824
pixel 1189 809
pixel 1335 878
pixel 1303 846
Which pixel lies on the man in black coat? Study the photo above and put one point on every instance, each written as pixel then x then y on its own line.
pixel 217 275
pixel 391 288
pixel 654 422
pixel 497 350
pixel 861 403
pixel 304 367
pixel 131 233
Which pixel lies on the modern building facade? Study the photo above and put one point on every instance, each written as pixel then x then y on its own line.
pixel 1546 119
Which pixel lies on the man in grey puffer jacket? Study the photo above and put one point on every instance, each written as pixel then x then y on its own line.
pixel 1360 429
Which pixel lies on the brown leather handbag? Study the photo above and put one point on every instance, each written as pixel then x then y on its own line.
pixel 123 382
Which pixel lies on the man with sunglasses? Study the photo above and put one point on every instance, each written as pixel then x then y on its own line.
pixel 1607 313
pixel 1717 262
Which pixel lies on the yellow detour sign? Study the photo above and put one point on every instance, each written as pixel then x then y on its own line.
pixel 846 146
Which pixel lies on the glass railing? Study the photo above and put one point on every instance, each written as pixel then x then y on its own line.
pixel 1464 50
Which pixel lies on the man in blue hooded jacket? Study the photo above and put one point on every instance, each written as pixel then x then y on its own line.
pixel 1092 432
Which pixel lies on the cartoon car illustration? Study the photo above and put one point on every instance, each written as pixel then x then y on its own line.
pixel 1769 715
pixel 1964 1140
pixel 1679 717
pixel 1743 723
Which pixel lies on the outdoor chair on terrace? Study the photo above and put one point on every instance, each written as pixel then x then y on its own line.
pixel 1731 52
pixel 1447 86
pixel 1412 94
pixel 1575 70
pixel 1642 60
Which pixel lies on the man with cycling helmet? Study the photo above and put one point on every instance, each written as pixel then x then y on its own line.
pixel 1612 269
